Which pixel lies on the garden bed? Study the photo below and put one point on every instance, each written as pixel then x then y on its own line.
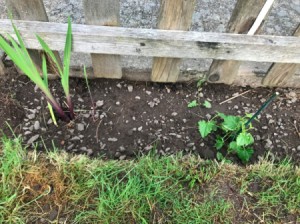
pixel 133 117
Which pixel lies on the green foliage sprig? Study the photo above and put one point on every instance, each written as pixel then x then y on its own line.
pixel 231 132
pixel 20 56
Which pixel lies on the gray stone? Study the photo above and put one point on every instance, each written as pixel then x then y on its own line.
pixel 112 139
pixel 31 116
pixel 80 127
pixel 36 125
pixel 123 157
pixel 130 88
pixel 99 103
pixel 33 139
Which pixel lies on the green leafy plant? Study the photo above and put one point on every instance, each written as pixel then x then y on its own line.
pixel 193 104
pixel 207 104
pixel 231 132
pixel 20 56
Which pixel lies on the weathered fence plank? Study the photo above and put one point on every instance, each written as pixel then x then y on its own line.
pixel 2 68
pixel 242 19
pixel 174 15
pixel 104 13
pixel 280 73
pixel 32 10
pixel 160 43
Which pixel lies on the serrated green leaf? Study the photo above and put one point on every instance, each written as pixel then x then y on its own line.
pixel 221 115
pixel 219 143
pixel 207 104
pixel 206 127
pixel 220 156
pixel 231 123
pixel 193 104
pixel 245 154
pixel 244 139
pixel 233 146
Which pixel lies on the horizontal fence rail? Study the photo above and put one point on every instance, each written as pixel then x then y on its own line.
pixel 159 43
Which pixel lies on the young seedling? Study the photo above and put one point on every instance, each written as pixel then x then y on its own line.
pixel 20 56
pixel 234 131
pixel 65 72
pixel 193 104
pixel 207 104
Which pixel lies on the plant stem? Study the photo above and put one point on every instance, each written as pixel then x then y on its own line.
pixel 264 106
pixel 71 108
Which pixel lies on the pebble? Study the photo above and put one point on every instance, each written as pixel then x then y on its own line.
pixel 49 121
pixel 151 104
pixel 298 148
pixel 140 128
pixel 70 147
pixel 123 157
pixel 122 149
pixel 268 144
pixel 99 103
pixel 27 132
pixel 130 88
pixel 36 125
pixel 80 127
pixel 184 120
pixel 33 139
pixel 31 116
pixel 118 103
pixel 76 138
pixel 137 98
pixel 112 139
pixel 208 116
pixel 174 114
pixel 148 92
pixel 119 85
pixel 89 152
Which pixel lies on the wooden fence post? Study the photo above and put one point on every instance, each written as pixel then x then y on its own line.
pixel 280 73
pixel 104 13
pixel 2 68
pixel 241 21
pixel 32 10
pixel 174 15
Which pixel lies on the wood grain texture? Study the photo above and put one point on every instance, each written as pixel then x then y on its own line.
pixel 160 43
pixel 241 21
pixel 174 15
pixel 280 73
pixel 31 10
pixel 104 13
pixel 245 77
pixel 2 68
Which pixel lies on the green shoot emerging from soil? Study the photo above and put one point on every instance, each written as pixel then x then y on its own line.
pixel 231 133
pixel 20 56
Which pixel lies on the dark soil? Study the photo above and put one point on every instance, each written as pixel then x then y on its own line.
pixel 132 122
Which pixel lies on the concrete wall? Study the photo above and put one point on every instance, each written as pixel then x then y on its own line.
pixel 210 16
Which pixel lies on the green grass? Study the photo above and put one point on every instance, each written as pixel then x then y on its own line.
pixel 173 189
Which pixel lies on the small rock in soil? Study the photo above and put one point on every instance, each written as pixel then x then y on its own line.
pixel 80 127
pixel 31 116
pixel 122 157
pixel 148 92
pixel 49 121
pixel 130 88
pixel 137 98
pixel 119 85
pixel 174 114
pixel 36 125
pixel 118 103
pixel 112 139
pixel 99 103
pixel 33 139
pixel 298 148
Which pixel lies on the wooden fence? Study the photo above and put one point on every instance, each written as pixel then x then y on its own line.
pixel 171 42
